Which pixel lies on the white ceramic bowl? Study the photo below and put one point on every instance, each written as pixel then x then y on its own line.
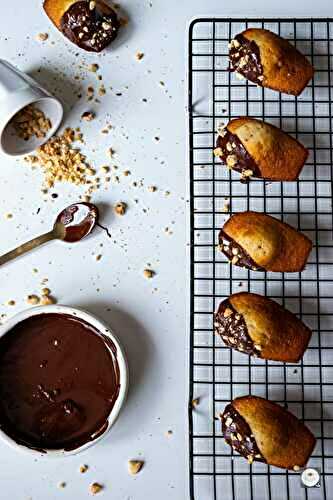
pixel 120 356
pixel 18 90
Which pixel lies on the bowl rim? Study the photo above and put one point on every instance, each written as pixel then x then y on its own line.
pixel 100 326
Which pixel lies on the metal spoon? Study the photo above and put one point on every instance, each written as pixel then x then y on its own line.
pixel 72 224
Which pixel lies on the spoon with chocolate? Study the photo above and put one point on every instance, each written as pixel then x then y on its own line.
pixel 72 224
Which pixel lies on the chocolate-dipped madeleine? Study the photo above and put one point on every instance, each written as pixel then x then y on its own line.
pixel 90 24
pixel 262 243
pixel 264 431
pixel 258 326
pixel 258 149
pixel 270 61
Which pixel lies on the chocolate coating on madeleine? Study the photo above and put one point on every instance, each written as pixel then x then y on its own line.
pixel 235 156
pixel 89 28
pixel 236 254
pixel 237 434
pixel 244 56
pixel 231 327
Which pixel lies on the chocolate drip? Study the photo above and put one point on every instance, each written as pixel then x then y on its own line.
pixel 90 29
pixel 59 381
pixel 245 58
pixel 231 327
pixel 235 155
pixel 237 434
pixel 236 254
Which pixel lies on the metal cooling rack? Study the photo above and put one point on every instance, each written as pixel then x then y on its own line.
pixel 218 374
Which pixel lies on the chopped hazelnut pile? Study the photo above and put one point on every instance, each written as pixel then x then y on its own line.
pixel 134 466
pixel 62 162
pixel 30 122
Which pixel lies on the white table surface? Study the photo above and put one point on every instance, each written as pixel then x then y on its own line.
pixel 148 315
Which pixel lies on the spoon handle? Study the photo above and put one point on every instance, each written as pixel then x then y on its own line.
pixel 26 247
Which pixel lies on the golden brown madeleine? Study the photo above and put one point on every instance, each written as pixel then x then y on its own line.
pixel 260 327
pixel 262 243
pixel 270 61
pixel 258 149
pixel 91 25
pixel 261 430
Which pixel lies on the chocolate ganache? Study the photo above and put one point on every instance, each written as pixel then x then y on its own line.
pixel 233 153
pixel 245 58
pixel 59 380
pixel 236 254
pixel 237 434
pixel 231 327
pixel 91 29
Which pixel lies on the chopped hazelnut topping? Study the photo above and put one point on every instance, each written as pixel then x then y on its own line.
pixel 120 208
pixel 134 466
pixel 231 160
pixel 235 251
pixel 296 468
pixel 95 488
pixel 218 152
pixel 235 259
pixel 228 421
pixel 228 146
pixel 148 273
pixel 92 5
pixel 250 459
pixel 33 300
pixel 247 173
pixel 42 37
pixel 227 312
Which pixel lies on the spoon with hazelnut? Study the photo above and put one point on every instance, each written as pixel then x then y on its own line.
pixel 72 224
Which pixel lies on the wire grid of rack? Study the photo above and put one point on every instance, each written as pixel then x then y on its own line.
pixel 217 373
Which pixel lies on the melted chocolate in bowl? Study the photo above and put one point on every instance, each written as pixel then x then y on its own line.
pixel 59 380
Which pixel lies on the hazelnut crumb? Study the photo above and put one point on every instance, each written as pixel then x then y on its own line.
pixel 95 488
pixel 42 37
pixel 9 216
pixel 105 169
pixel 93 68
pixel 98 257
pixel 92 5
pixel 120 208
pixel 62 484
pixel 47 300
pixel 152 189
pixel 46 291
pixel 148 273
pixel 195 402
pixel 139 56
pixel 296 468
pixel 169 433
pixel 83 468
pixel 33 300
pixel 126 173
pixel 134 466
pixel 11 302
pixel 88 116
